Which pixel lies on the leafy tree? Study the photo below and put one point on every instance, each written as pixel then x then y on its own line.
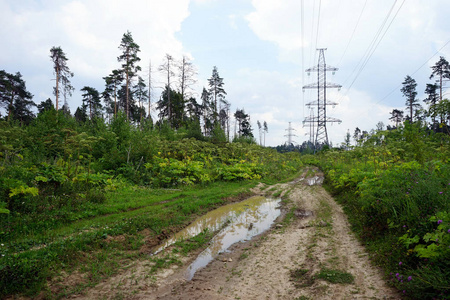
pixel 167 68
pixel 16 98
pixel 216 91
pixel 130 59
pixel 442 70
pixel 409 91
pixel 112 81
pixel 62 73
pixel 91 99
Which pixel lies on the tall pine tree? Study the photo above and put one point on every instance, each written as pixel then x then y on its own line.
pixel 62 74
pixel 129 59
pixel 216 91
pixel 410 93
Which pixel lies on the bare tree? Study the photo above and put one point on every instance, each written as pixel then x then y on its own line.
pixel 186 75
pixel 166 67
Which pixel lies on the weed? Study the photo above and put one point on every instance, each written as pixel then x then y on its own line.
pixel 335 276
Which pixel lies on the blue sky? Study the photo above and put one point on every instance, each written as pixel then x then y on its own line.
pixel 258 46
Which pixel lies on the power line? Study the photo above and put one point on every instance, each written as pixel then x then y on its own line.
pixel 353 33
pixel 397 87
pixel 302 24
pixel 373 45
pixel 318 23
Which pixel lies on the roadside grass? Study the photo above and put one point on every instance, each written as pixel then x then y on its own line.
pixel 304 277
pixel 91 245
pixel 335 276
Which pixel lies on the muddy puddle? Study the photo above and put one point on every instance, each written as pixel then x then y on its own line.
pixel 239 222
pixel 316 180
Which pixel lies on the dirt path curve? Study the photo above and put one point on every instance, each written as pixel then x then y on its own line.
pixel 282 263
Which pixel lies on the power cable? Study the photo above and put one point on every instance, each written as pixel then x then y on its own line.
pixel 397 87
pixel 353 33
pixel 374 45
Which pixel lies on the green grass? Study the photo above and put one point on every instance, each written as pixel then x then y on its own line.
pixel 36 255
pixel 335 276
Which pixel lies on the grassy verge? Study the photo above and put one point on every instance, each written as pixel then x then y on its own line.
pixel 125 227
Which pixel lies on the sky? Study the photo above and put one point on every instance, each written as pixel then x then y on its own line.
pixel 261 49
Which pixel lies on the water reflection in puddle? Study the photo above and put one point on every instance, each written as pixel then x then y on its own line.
pixel 246 219
pixel 258 215
pixel 316 180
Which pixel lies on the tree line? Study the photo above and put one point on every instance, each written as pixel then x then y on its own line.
pixel 435 116
pixel 128 93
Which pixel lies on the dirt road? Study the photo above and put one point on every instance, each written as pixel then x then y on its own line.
pixel 310 253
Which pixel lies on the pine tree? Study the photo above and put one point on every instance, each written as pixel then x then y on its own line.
pixel 207 113
pixel 396 116
pixel 16 98
pixel 409 91
pixel 441 69
pixel 174 108
pixel 243 120
pixel 91 99
pixel 62 73
pixel 112 82
pixel 129 66
pixel 140 93
pixel 216 91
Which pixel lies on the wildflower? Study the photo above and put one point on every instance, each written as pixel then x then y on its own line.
pixel 441 192
pixel 404 226
pixel 439 222
pixel 396 275
pixel 400 263
pixel 409 278
pixel 447 231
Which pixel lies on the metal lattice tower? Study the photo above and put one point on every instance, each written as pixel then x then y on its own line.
pixel 289 135
pixel 320 120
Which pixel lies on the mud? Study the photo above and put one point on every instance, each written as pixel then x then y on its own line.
pixel 318 235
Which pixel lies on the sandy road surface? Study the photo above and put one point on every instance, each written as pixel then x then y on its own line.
pixel 279 264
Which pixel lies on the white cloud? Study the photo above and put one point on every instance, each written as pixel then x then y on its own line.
pixel 89 32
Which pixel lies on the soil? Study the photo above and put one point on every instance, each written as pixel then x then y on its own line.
pixel 281 263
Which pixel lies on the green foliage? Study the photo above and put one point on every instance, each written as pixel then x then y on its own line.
pixel 395 189
pixel 66 189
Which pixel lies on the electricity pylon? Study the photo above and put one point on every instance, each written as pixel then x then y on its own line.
pixel 321 119
pixel 290 135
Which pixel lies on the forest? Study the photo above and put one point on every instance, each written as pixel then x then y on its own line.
pixel 70 184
